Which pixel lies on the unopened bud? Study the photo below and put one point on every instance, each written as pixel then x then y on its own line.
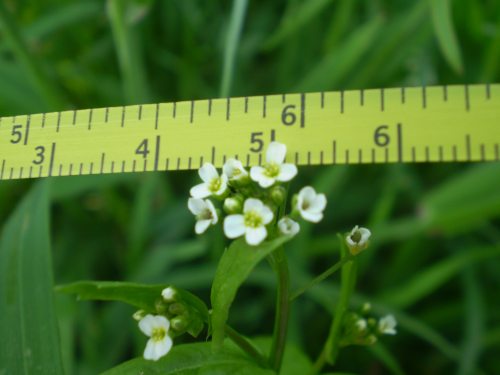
pixel 179 323
pixel 233 205
pixel 168 294
pixel 278 194
pixel 176 308
pixel 139 314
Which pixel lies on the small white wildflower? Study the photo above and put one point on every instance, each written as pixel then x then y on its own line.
pixel 234 170
pixel 357 240
pixel 159 343
pixel 205 213
pixel 251 223
pixel 168 294
pixel 311 204
pixel 274 169
pixel 212 184
pixel 288 226
pixel 387 325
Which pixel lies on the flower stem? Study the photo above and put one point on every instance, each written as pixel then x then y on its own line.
pixel 245 345
pixel 330 271
pixel 279 263
pixel 348 280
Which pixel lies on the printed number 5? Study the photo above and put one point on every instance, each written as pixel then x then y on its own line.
pixel 257 142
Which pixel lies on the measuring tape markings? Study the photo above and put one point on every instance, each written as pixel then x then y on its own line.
pixel 438 124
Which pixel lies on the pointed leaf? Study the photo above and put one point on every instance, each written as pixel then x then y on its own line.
pixel 234 267
pixel 28 325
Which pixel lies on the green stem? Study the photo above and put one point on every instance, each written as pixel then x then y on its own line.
pixel 348 280
pixel 330 271
pixel 319 363
pixel 279 263
pixel 245 345
pixel 50 93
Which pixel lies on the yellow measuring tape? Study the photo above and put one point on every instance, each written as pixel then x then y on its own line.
pixel 424 124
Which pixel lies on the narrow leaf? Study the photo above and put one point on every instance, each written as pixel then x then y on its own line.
pixel 28 325
pixel 445 33
pixel 191 359
pixel 234 267
pixel 138 295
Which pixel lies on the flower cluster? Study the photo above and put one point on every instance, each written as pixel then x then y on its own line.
pixel 252 199
pixel 173 317
pixel 360 328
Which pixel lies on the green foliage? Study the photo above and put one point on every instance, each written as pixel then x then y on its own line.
pixel 193 359
pixel 233 269
pixel 433 261
pixel 28 327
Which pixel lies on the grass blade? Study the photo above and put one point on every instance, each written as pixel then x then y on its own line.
pixel 28 327
pixel 445 33
pixel 232 40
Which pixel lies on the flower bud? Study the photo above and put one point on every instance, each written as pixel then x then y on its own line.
pixel 233 205
pixel 179 323
pixel 357 240
pixel 177 308
pixel 168 294
pixel 278 195
pixel 139 314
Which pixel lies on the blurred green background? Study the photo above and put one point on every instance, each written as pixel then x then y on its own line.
pixel 435 256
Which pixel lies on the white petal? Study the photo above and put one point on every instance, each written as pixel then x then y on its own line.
pixel 208 172
pixel 196 205
pixel 149 351
pixel 287 172
pixel 365 234
pixel 147 324
pixel 307 194
pixel 288 226
pixel 318 204
pixel 161 321
pixel 266 214
pixel 211 207
pixel 252 204
pixel 201 226
pixel 313 217
pixel 200 191
pixel 255 236
pixel 234 226
pixel 231 166
pixel 276 153
pixel 163 347
pixel 257 174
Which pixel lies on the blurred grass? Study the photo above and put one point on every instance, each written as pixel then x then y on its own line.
pixel 434 258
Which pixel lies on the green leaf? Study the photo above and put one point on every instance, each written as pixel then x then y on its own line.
pixel 445 33
pixel 145 297
pixel 28 325
pixel 234 267
pixel 466 200
pixel 427 281
pixel 193 359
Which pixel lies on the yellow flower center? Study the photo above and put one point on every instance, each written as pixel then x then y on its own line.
pixel 215 184
pixel 252 219
pixel 158 334
pixel 271 170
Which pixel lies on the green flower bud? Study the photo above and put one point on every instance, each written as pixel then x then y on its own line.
pixel 233 205
pixel 139 314
pixel 177 308
pixel 179 323
pixel 278 194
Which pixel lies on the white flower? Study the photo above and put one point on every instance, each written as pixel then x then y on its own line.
pixel 387 325
pixel 311 204
pixel 288 226
pixel 160 343
pixel 205 213
pixel 357 240
pixel 233 169
pixel 168 294
pixel 274 169
pixel 212 184
pixel 251 223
